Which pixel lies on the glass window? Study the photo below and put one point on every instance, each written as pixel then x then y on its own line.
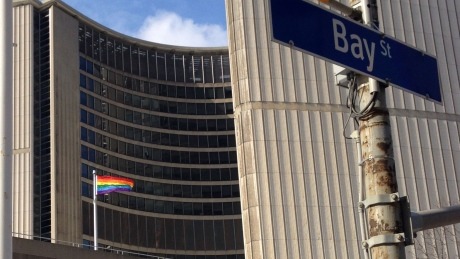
pixel 188 68
pixel 179 65
pixel 201 109
pixel 123 200
pixel 89 67
pixel 161 66
pixel 189 237
pixel 170 67
pixel 206 191
pixel 126 58
pixel 118 55
pixel 207 64
pixel 199 234
pixel 159 207
pixel 209 92
pixel 214 157
pixel 177 208
pixel 85 172
pixel 149 205
pixel 190 92
pixel 82 81
pixel 207 208
pixel 197 69
pixel 217 67
pixel 82 63
pixel 199 93
pixel 152 233
pixel 219 233
pixel 226 191
pixel 83 134
pixel 89 41
pixel 229 235
pixel 83 98
pixel 226 68
pixel 188 209
pixel 209 235
pixel 124 228
pixel 181 92
pixel 84 152
pixel 103 49
pixel 238 234
pixel 81 38
pixel 91 137
pixel 196 191
pixel 228 208
pixel 152 59
pixel 96 48
pixel 160 233
pixel 229 108
pixel 90 119
pixel 142 230
pixel 228 92
pixel 205 175
pixel 110 52
pixel 217 208
pixel 143 62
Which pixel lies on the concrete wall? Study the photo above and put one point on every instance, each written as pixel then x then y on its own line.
pixel 23 120
pixel 65 128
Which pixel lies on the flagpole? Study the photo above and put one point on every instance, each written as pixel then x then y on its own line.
pixel 95 209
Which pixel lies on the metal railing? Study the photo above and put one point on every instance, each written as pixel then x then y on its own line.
pixel 85 246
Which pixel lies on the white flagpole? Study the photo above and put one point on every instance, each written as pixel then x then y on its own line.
pixel 95 209
pixel 6 127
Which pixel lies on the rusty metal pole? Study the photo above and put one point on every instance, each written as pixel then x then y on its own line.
pixel 384 220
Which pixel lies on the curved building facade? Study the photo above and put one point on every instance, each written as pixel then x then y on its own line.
pixel 160 115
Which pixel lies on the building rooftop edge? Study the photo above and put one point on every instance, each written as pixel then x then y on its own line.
pixel 135 41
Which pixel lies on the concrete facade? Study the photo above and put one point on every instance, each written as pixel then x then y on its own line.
pixel 298 174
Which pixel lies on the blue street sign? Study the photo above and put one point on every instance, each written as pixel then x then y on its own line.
pixel 328 35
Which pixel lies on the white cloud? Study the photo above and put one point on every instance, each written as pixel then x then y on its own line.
pixel 169 28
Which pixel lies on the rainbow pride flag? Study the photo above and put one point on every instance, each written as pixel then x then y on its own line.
pixel 108 184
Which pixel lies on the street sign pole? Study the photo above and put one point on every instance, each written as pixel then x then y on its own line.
pixel 6 127
pixel 384 220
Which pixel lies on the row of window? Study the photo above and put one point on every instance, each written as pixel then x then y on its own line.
pixel 159 155
pixel 187 191
pixel 151 104
pixel 174 234
pixel 157 138
pixel 42 133
pixel 183 92
pixel 184 191
pixel 165 207
pixel 155 121
pixel 176 67
pixel 171 173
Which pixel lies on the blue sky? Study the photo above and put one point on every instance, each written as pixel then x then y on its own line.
pixel 199 23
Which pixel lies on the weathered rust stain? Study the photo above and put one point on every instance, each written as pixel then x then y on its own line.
pixel 385 147
pixel 378 226
pixel 380 253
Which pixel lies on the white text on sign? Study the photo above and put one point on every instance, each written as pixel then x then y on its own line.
pixel 360 47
